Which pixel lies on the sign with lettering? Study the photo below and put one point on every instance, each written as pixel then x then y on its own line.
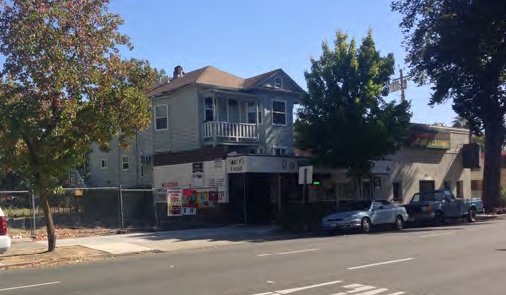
pixel 262 164
pixel 236 165
pixel 175 202
pixel 427 137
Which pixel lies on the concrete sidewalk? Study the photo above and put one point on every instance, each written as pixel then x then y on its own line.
pixel 162 241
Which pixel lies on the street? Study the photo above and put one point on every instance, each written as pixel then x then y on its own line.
pixel 458 259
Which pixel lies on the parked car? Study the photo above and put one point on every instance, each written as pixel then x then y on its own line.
pixel 441 205
pixel 5 240
pixel 364 215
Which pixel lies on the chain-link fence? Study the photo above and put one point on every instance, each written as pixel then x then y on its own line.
pixel 79 208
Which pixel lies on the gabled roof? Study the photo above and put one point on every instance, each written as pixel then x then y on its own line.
pixel 211 76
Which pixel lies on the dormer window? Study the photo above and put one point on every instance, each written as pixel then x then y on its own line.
pixel 278 82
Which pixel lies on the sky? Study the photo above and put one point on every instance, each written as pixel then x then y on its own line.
pixel 247 38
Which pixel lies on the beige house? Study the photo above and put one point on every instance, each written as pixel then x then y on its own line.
pixel 432 160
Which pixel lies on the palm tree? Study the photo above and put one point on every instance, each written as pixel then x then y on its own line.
pixel 460 122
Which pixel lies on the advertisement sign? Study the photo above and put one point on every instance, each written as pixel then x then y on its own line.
pixel 174 202
pixel 262 164
pixel 190 202
pixel 198 174
pixel 425 137
pixel 207 199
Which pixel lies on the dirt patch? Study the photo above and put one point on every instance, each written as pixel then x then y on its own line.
pixel 63 233
pixel 39 257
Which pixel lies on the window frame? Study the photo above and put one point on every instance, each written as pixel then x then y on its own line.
pixel 254 111
pixel 213 109
pixel 166 117
pixel 106 161
pixel 123 162
pixel 280 82
pixel 141 172
pixel 277 112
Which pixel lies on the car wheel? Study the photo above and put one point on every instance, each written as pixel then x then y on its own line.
pixel 399 223
pixel 366 225
pixel 439 218
pixel 471 215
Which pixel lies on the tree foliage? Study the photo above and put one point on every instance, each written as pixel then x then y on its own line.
pixel 344 121
pixel 460 47
pixel 64 85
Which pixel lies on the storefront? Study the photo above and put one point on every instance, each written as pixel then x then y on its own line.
pixel 259 185
pixel 433 159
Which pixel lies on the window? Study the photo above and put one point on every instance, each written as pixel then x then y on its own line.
pixel 104 164
pixel 460 189
pixel 397 191
pixel 279 151
pixel 125 162
pixel 161 117
pixel 278 82
pixel 209 109
pixel 260 113
pixel 252 112
pixel 278 112
pixel 142 171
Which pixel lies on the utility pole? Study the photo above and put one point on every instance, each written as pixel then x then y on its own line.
pixel 403 96
pixel 400 84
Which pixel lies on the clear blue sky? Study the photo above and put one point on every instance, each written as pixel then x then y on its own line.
pixel 247 38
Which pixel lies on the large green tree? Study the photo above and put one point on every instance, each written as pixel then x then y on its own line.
pixel 343 120
pixel 460 47
pixel 64 86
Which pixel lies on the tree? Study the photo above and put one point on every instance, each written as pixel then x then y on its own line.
pixel 343 120
pixel 459 122
pixel 460 47
pixel 64 86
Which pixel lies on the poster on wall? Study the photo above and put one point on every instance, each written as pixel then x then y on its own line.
pixel 208 199
pixel 198 174
pixel 190 202
pixel 174 202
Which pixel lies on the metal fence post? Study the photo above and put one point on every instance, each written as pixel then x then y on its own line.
pixel 122 225
pixel 34 224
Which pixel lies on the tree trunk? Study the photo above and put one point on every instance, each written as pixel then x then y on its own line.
pixel 494 138
pixel 51 235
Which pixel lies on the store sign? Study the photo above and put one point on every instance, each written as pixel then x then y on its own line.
pixel 431 138
pixel 236 165
pixel 262 164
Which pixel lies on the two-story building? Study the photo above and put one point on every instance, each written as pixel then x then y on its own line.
pixel 202 115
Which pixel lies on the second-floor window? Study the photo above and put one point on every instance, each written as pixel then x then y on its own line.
pixel 209 109
pixel 252 112
pixel 161 117
pixel 104 164
pixel 278 112
pixel 125 162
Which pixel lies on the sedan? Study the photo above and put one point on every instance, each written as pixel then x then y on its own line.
pixel 364 215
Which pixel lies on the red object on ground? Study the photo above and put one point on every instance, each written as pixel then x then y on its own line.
pixel 3 226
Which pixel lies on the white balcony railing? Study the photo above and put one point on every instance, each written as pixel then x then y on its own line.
pixel 226 130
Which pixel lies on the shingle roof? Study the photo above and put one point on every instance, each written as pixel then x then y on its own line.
pixel 210 76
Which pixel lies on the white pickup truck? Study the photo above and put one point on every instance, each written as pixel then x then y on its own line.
pixel 5 240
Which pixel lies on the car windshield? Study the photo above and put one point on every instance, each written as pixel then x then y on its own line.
pixel 345 206
pixel 428 196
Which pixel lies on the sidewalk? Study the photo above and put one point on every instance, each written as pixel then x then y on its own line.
pixel 170 240
pixel 27 252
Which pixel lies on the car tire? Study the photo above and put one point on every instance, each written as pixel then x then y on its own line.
pixel 366 225
pixel 439 218
pixel 399 223
pixel 471 215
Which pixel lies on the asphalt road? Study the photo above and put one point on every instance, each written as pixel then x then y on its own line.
pixel 460 259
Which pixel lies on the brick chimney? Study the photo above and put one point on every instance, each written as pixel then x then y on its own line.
pixel 178 72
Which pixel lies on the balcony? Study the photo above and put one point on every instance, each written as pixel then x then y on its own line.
pixel 224 131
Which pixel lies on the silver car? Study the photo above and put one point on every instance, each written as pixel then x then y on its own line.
pixel 364 215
